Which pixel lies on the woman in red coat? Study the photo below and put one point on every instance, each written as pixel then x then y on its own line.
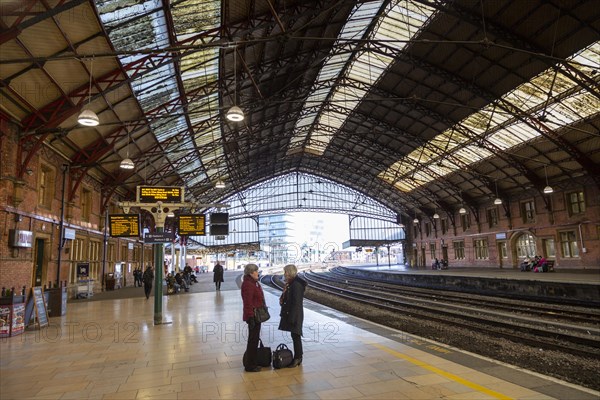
pixel 252 297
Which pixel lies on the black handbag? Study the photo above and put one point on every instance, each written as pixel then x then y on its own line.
pixel 263 356
pixel 261 314
pixel 282 357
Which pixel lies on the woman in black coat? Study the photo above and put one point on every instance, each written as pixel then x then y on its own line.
pixel 218 275
pixel 292 309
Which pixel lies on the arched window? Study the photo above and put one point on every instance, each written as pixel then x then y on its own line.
pixel 526 246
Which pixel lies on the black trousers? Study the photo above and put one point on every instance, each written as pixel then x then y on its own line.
pixel 297 345
pixel 252 346
pixel 147 289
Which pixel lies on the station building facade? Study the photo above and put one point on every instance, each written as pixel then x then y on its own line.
pixel 563 226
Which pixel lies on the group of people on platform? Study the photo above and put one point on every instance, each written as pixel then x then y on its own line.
pixel 292 311
pixel 439 264
pixel 537 264
pixel 180 280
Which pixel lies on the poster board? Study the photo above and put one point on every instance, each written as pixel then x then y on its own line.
pixel 39 305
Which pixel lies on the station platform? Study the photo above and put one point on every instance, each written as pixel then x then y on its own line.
pixel 588 276
pixel 110 349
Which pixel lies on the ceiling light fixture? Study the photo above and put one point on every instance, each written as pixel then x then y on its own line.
pixel 498 200
pixel 416 220
pixel 548 189
pixel 127 163
pixel 220 184
pixel 87 117
pixel 436 215
pixel 462 209
pixel 235 114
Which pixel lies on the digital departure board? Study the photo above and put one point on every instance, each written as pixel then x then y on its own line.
pixel 219 230
pixel 124 225
pixel 192 224
pixel 165 194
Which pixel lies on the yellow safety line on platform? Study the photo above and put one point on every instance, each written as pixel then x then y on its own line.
pixel 443 373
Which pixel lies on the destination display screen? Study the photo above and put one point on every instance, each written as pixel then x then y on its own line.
pixel 165 194
pixel 124 225
pixel 192 224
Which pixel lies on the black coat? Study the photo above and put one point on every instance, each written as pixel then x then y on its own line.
pixel 292 309
pixel 218 273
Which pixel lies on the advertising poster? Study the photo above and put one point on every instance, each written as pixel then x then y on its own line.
pixel 5 321
pixel 18 319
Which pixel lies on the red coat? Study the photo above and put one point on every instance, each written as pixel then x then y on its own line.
pixel 252 296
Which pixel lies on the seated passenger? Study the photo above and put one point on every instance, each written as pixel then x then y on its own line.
pixel 443 264
pixel 526 265
pixel 172 285
pixel 181 282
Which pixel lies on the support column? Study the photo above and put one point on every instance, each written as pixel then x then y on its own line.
pixel 158 279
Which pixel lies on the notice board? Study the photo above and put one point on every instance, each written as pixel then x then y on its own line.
pixel 39 305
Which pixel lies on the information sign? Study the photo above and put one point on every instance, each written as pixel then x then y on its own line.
pixel 165 194
pixel 124 225
pixel 161 237
pixel 192 224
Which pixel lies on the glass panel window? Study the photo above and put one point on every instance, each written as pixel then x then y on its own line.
pixel 576 203
pixel 444 225
pixel 568 244
pixel 502 250
pixel 459 249
pixel 465 221
pixel 481 249
pixel 432 250
pixel 528 211
pixel 86 204
pixel 45 186
pixel 526 246
pixel 492 216
pixel 427 228
pixel 111 252
pixel 549 250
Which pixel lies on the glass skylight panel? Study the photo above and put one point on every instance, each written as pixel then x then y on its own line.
pixel 194 16
pixel 471 154
pixel 367 69
pixel 563 109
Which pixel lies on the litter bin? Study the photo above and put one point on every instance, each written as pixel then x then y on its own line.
pixel 57 302
pixel 109 281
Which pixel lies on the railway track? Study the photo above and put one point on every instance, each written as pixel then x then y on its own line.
pixel 567 330
pixel 561 313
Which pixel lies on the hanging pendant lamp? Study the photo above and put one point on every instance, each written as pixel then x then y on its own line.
pixel 548 189
pixel 235 114
pixel 498 200
pixel 127 163
pixel 87 117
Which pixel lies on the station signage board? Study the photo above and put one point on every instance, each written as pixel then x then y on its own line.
pixel 159 237
pixel 19 238
pixel 192 224
pixel 164 194
pixel 124 225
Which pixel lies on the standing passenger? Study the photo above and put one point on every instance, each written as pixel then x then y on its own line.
pixel 148 278
pixel 292 309
pixel 218 275
pixel 252 297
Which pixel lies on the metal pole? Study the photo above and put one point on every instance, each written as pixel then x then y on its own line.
pixel 158 278
pixel 61 226
pixel 105 249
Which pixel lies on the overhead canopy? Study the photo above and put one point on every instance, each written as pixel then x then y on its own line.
pixel 424 105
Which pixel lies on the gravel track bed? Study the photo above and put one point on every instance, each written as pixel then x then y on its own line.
pixel 578 370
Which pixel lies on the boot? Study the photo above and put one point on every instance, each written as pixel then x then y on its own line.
pixel 295 362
